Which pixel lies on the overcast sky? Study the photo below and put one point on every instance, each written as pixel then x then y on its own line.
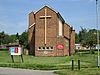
pixel 14 13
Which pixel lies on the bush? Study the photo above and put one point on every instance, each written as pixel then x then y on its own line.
pixel 92 51
pixel 4 49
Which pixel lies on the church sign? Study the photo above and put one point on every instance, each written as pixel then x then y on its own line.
pixel 15 50
pixel 60 46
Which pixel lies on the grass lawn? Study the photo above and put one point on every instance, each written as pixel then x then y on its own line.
pixel 87 71
pixel 62 64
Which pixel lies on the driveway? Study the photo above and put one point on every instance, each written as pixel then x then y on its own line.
pixel 13 71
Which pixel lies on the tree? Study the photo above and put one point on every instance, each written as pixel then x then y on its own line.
pixel 83 36
pixel 91 40
pixel 17 36
pixel 5 38
pixel 2 35
pixel 77 38
pixel 23 39
pixel 88 38
pixel 13 38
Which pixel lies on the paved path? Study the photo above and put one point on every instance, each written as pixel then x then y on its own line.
pixel 13 71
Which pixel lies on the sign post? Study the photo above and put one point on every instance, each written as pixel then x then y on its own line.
pixel 16 51
pixel 72 64
pixel 79 65
pixel 22 58
pixel 12 58
pixel 98 58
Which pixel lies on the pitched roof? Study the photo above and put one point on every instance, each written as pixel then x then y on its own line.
pixel 58 14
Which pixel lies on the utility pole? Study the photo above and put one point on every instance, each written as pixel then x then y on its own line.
pixel 98 58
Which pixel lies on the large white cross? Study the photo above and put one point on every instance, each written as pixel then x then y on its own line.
pixel 45 17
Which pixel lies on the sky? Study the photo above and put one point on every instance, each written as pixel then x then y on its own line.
pixel 77 13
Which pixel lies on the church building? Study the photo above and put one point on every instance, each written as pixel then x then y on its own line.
pixel 49 35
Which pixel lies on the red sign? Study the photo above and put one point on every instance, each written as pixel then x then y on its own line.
pixel 16 50
pixel 60 46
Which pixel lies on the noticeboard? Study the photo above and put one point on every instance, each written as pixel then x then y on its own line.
pixel 15 50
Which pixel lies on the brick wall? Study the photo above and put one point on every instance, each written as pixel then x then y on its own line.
pixel 66 30
pixel 72 42
pixel 51 32
pixel 36 35
pixel 31 33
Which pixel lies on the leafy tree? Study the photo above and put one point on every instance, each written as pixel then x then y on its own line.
pixel 13 38
pixel 2 35
pixel 17 36
pixel 91 39
pixel 5 38
pixel 83 36
pixel 23 39
pixel 77 38
pixel 88 38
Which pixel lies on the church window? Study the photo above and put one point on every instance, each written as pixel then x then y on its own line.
pixel 47 47
pixel 60 28
pixel 51 48
pixel 39 47
pixel 43 48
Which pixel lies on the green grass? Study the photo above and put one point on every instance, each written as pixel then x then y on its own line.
pixel 87 71
pixel 62 64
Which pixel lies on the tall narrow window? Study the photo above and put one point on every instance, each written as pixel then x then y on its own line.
pixel 60 27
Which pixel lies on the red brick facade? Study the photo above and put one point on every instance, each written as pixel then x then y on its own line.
pixel 36 34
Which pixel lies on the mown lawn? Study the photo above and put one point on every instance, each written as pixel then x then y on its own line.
pixel 62 64
pixel 85 71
